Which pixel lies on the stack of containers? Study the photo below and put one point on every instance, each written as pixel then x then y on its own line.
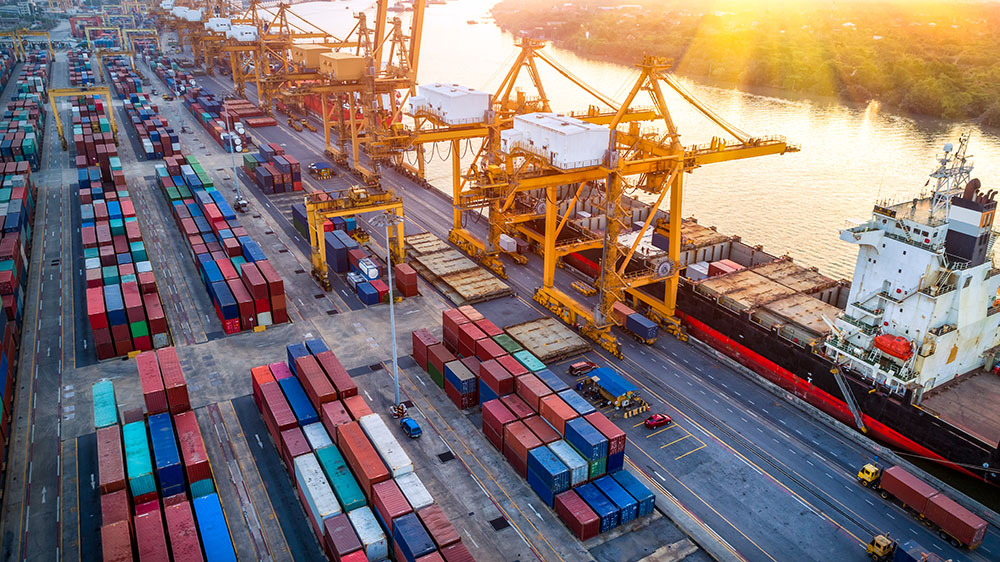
pixel 23 119
pixel 124 80
pixel 92 136
pixel 273 170
pixel 156 138
pixel 358 487
pixel 172 75
pixel 571 455
pixel 123 304
pixel 406 280
pixel 31 83
pixel 245 288
pixel 207 110
pixel 80 72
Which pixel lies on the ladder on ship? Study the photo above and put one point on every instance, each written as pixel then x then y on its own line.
pixel 852 404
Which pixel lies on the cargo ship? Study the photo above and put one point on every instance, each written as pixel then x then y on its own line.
pixel 906 352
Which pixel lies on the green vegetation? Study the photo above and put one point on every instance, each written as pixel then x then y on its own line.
pixel 929 58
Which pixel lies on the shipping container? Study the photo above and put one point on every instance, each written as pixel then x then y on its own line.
pixel 637 490
pixel 105 408
pixel 297 399
pixel 110 464
pixel 293 444
pixel 192 447
pixel 579 468
pixel 422 339
pixel 373 540
pixel 342 382
pixel 410 539
pixel 388 503
pixel 610 431
pixel 168 461
pixel 577 402
pixel 438 526
pixel 314 381
pixel 529 361
pixel 541 428
pixel 142 484
pixel 589 442
pixel 907 488
pixel 517 406
pixel 513 366
pixel 357 407
pixel 149 537
pixel 184 542
pixel 115 507
pixel 333 414
pixel 517 441
pixel 345 487
pixel 531 390
pixel 314 489
pixel 317 436
pixel 361 457
pixel 214 531
pixel 413 488
pixel 557 412
pixel 385 443
pixel 955 520
pixel 547 475
pixel 340 538
pixel 552 380
pixel 153 393
pixel 457 552
pixel 116 542
pixel 578 516
pixel 626 504
pixel 173 380
pixel 609 514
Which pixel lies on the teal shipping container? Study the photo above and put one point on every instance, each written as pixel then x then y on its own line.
pixel 105 409
pixel 138 463
pixel 529 361
pixel 345 487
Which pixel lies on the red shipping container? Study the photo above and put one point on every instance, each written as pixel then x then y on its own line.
pixel 341 539
pixel 492 374
pixel 275 286
pixel 909 489
pixel 471 313
pixel 487 349
pixel 254 281
pixel 520 465
pixel 422 339
pixel 956 520
pixel 615 436
pixel 451 319
pixel 513 366
pixel 280 371
pixel 389 502
pixel 115 508
pixel 338 374
pixel 437 356
pixel 557 412
pixel 432 557
pixel 95 309
pixel 153 393
pixel 260 375
pixel 495 416
pixel 468 335
pixel 472 364
pixel 173 380
pixel 277 412
pixel 520 439
pixel 495 438
pixel 461 401
pixel 293 444
pixel 362 458
pixel 150 539
pixel 438 526
pixel 318 388
pixel 192 446
pixel 578 516
pixel 541 428
pixel 517 406
pixel 154 314
pixel 457 553
pixel 183 533
pixel 356 406
pixel 116 542
pixel 488 328
pixel 531 390
pixel 110 464
pixel 248 317
pixel 333 414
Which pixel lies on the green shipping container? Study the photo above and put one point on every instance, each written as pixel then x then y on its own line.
pixel 436 375
pixel 345 487
pixel 202 488
pixel 507 343
pixel 137 460
pixel 138 250
pixel 598 468
pixel 139 329
pixel 529 361
pixel 105 409
pixel 117 227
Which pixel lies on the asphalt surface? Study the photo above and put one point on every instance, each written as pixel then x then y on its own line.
pixel 773 482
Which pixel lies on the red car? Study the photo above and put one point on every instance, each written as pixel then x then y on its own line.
pixel 657 420
pixel 581 368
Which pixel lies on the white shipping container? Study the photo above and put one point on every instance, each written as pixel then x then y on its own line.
pixel 386 444
pixel 368 269
pixel 316 434
pixel 451 103
pixel 354 278
pixel 578 467
pixel 373 540
pixel 565 142
pixel 508 244
pixel 414 490
pixel 320 501
pixel 697 271
pixel 265 319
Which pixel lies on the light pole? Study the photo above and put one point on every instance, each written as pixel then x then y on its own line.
pixel 390 219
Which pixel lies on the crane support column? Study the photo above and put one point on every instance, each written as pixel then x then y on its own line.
pixel 549 252
pixel 674 248
pixel 456 183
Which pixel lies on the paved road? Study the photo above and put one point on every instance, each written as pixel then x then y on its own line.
pixel 773 482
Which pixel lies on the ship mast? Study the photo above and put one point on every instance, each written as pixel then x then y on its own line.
pixel 951 175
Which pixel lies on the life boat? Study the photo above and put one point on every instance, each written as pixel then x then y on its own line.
pixel 896 346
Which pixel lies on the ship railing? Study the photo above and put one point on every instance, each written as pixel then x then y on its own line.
pixel 936 290
pixel 870 358
pixel 959 265
pixel 905 240
pixel 873 310
pixel 865 328
pixel 942 330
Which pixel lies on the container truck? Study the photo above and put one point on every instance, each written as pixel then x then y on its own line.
pixel 953 522
pixel 883 548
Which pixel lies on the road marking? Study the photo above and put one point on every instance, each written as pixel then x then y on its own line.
pixel 889 515
pixel 661 430
pixel 539 515
pixel 676 440
pixel 870 502
pixel 809 462
pixel 638 424
pixel 755 469
pixel 688 453
pixel 658 476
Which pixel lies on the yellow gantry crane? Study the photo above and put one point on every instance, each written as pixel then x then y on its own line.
pixel 23 34
pixel 116 30
pixel 68 92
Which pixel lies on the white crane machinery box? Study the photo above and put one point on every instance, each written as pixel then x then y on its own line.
pixel 452 103
pixel 342 66
pixel 565 142
pixel 308 54
pixel 218 25
pixel 242 33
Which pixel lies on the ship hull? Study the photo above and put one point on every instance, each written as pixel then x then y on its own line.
pixel 889 419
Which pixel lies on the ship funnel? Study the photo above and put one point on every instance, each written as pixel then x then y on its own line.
pixel 971 188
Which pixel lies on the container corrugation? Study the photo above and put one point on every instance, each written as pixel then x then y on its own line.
pixel 577 402
pixel 517 406
pixel 389 503
pixel 457 553
pixel 153 393
pixel 956 520
pixel 184 542
pixel 598 468
pixel 602 506
pixel 173 380
pixel 338 374
pixel 321 503
pixel 410 539
pixel 542 429
pixel 116 542
pixel 110 465
pixel 278 414
pixel 385 443
pixel 578 467
pixel 361 457
pixel 531 390
pixel 149 537
pixel 169 471
pixel 137 460
pixel 115 507
pixel 529 361
pixel 616 462
pixel 341 539
pixel 610 431
pixel 513 366
pixel 581 520
pixel 356 407
pixel 413 488
pixel 552 380
pixel 293 444
pixel 297 399
pixel 585 439
pixel 105 409
pixel 314 381
pixel 438 526
pixel 333 414
pixel 910 490
pixel 370 533
pixel 495 415
pixel 625 503
pixel 547 475
pixel 192 447
pixel 637 490
pixel 216 540
pixel 345 487
pixel 557 412
pixel 317 436
pixel 460 377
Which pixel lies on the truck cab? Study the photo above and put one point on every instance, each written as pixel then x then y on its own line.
pixel 869 475
pixel 410 427
pixel 881 548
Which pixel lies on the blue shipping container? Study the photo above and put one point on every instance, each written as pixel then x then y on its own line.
pixel 577 402
pixel 215 538
pixel 368 294
pixel 589 442
pixel 623 500
pixel 460 377
pixel 602 506
pixel 637 490
pixel 169 470
pixel 294 351
pixel 411 538
pixel 316 346
pixel 616 462
pixel 552 380
pixel 550 471
pixel 641 326
pixel 297 399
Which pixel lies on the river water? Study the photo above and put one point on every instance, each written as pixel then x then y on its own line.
pixel 851 157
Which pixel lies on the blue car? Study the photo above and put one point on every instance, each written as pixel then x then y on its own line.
pixel 410 427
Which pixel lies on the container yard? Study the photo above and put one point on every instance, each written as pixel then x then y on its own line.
pixel 201 344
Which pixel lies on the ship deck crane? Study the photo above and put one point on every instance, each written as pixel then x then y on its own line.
pixel 66 92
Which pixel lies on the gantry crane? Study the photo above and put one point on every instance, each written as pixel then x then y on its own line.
pixel 133 33
pixel 93 90
pixel 117 31
pixel 23 33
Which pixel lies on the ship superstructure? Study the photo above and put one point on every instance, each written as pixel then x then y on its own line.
pixel 922 305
